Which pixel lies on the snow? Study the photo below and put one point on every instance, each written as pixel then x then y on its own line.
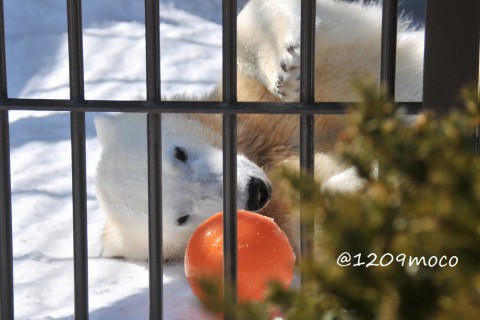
pixel 37 58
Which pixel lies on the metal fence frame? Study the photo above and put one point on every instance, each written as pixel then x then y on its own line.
pixel 450 62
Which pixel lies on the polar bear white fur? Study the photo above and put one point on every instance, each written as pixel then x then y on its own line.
pixel 348 48
pixel 192 188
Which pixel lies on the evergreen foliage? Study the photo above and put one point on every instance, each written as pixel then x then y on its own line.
pixel 422 202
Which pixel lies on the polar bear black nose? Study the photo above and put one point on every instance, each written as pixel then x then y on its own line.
pixel 259 193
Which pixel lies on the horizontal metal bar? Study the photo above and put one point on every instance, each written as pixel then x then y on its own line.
pixel 188 106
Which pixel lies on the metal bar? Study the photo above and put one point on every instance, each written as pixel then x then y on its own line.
pixel 152 42
pixel 155 215
pixel 154 140
pixel 189 107
pixel 6 260
pixel 79 183
pixel 229 46
pixel 3 57
pixel 79 192
pixel 477 140
pixel 307 53
pixel 75 50
pixel 230 260
pixel 452 33
pixel 6 251
pixel 389 46
pixel 307 122
pixel 229 85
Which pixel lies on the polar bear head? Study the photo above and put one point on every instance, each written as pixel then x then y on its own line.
pixel 192 181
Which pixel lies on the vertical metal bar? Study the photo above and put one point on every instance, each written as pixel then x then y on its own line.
pixel 230 259
pixel 6 259
pixel 152 38
pixel 3 57
pixel 77 122
pixel 389 46
pixel 154 140
pixel 477 140
pixel 452 32
pixel 307 122
pixel 229 84
pixel 79 183
pixel 155 215
pixel 307 58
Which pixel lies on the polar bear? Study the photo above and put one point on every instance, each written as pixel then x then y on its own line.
pixel 192 188
pixel 348 47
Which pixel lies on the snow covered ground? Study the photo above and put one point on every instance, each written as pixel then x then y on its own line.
pixel 40 146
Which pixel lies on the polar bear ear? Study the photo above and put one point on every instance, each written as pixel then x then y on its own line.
pixel 106 131
pixel 127 127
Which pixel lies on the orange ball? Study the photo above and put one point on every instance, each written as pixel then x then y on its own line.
pixel 264 255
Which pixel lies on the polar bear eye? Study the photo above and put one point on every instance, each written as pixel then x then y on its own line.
pixel 182 220
pixel 180 154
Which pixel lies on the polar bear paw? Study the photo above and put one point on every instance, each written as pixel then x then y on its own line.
pixel 286 80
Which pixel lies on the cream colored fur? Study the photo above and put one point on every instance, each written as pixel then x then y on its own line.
pixel 348 48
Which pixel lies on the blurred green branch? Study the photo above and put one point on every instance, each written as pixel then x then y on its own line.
pixel 425 202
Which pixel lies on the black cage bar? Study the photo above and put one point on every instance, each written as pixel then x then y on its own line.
pixel 452 32
pixel 307 121
pixel 6 259
pixel 389 46
pixel 451 60
pixel 79 180
pixel 229 85
pixel 154 142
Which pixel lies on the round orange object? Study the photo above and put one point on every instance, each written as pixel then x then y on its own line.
pixel 264 255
